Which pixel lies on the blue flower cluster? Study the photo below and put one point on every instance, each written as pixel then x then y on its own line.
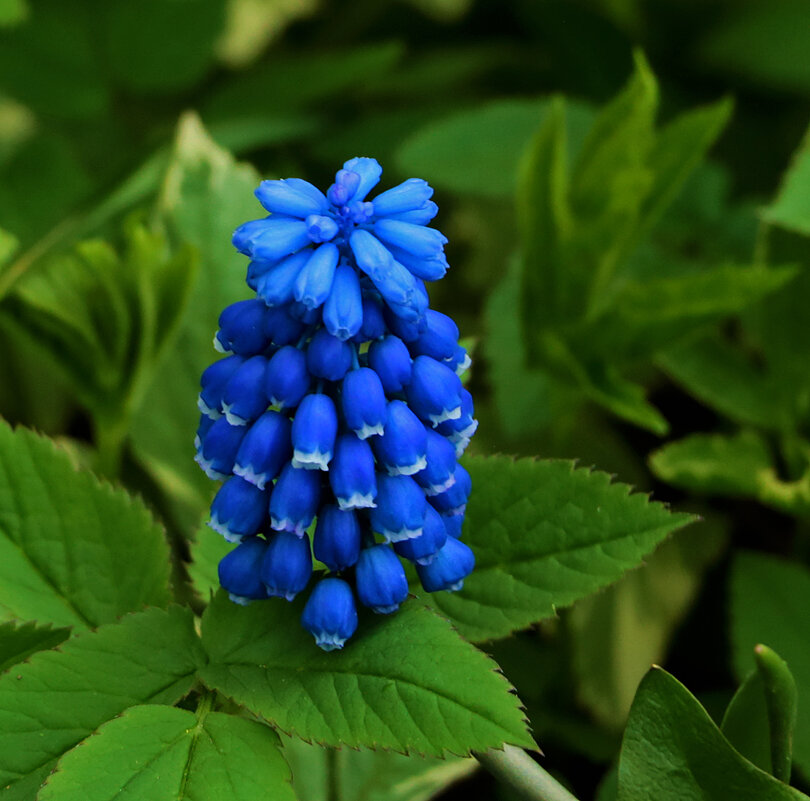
pixel 338 404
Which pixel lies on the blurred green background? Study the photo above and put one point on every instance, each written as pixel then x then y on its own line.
pixel 453 91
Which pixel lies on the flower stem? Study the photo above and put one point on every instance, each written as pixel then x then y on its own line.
pixel 515 767
pixel 333 775
pixel 110 434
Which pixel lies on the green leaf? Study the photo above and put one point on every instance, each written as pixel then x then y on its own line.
pixel 371 775
pixel 73 551
pixel 545 535
pixel 18 642
pixel 158 753
pixel 406 682
pixel 790 209
pixel 206 551
pixel 672 751
pixel 476 152
pixel 205 196
pixel 143 49
pixel 58 698
pixel 714 463
pixel 618 633
pixel 769 599
pixel 760 719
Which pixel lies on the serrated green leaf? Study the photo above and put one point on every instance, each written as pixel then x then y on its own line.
pixel 672 751
pixel 206 551
pixel 406 682
pixel 18 642
pixel 205 196
pixel 371 775
pixel 476 152
pixel 57 698
pixel 73 551
pixel 617 634
pixel 158 753
pixel 769 599
pixel 545 535
pixel 790 209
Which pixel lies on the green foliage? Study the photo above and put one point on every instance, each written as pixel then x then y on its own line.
pixel 149 657
pixel 175 755
pixel 73 551
pixel 673 750
pixel 18 642
pixel 545 535
pixel 408 683
pixel 768 599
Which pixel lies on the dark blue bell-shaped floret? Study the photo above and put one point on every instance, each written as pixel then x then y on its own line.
pixel 238 509
pixel 453 524
pixel 314 429
pixel 321 228
pixel 282 328
pixel 244 398
pixel 390 359
pixel 287 565
pixel 434 392
pixel 239 571
pixel 328 357
pixel 454 499
pixel 304 315
pixel 439 340
pixel 218 449
pixel 241 327
pixel 214 379
pixel 314 282
pixel 271 239
pixel 352 475
pixel 401 449
pixel 460 361
pixel 203 428
pixel 244 236
pixel 450 566
pixel 265 449
pixel 287 379
pixel 338 537
pixel 439 472
pixel 422 549
pixel 410 195
pixel 406 330
pixel 400 510
pixel 294 501
pixel 343 310
pixel 330 614
pixel 373 326
pixel 459 431
pixel 363 402
pixel 380 580
pixel 412 311
pixel 291 199
pixel 275 283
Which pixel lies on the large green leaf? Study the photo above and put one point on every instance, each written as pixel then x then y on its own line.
pixel 205 196
pixel 57 698
pixel 206 551
pixel 790 208
pixel 617 634
pixel 406 682
pixel 17 643
pixel 370 775
pixel 672 751
pixel 159 753
pixel 769 602
pixel 73 551
pixel 545 535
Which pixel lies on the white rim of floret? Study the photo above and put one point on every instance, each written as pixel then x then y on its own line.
pixel 407 469
pixel 466 432
pixel 214 414
pixel 233 419
pixel 251 476
pixel 385 610
pixel 438 489
pixel 242 600
pixel 329 641
pixel 296 527
pixel 455 587
pixel 222 528
pixel 456 510
pixel 369 431
pixel 461 446
pixel 206 467
pixel 401 534
pixel 462 367
pixel 275 592
pixel 218 346
pixel 316 460
pixel 357 500
pixel 426 560
pixel 446 414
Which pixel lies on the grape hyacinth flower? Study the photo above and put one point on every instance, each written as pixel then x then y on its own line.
pixel 337 416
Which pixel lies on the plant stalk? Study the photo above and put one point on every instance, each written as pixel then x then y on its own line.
pixel 517 769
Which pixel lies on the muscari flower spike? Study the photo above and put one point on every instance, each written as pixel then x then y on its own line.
pixel 336 416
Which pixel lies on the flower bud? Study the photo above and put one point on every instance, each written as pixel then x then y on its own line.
pixel 328 357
